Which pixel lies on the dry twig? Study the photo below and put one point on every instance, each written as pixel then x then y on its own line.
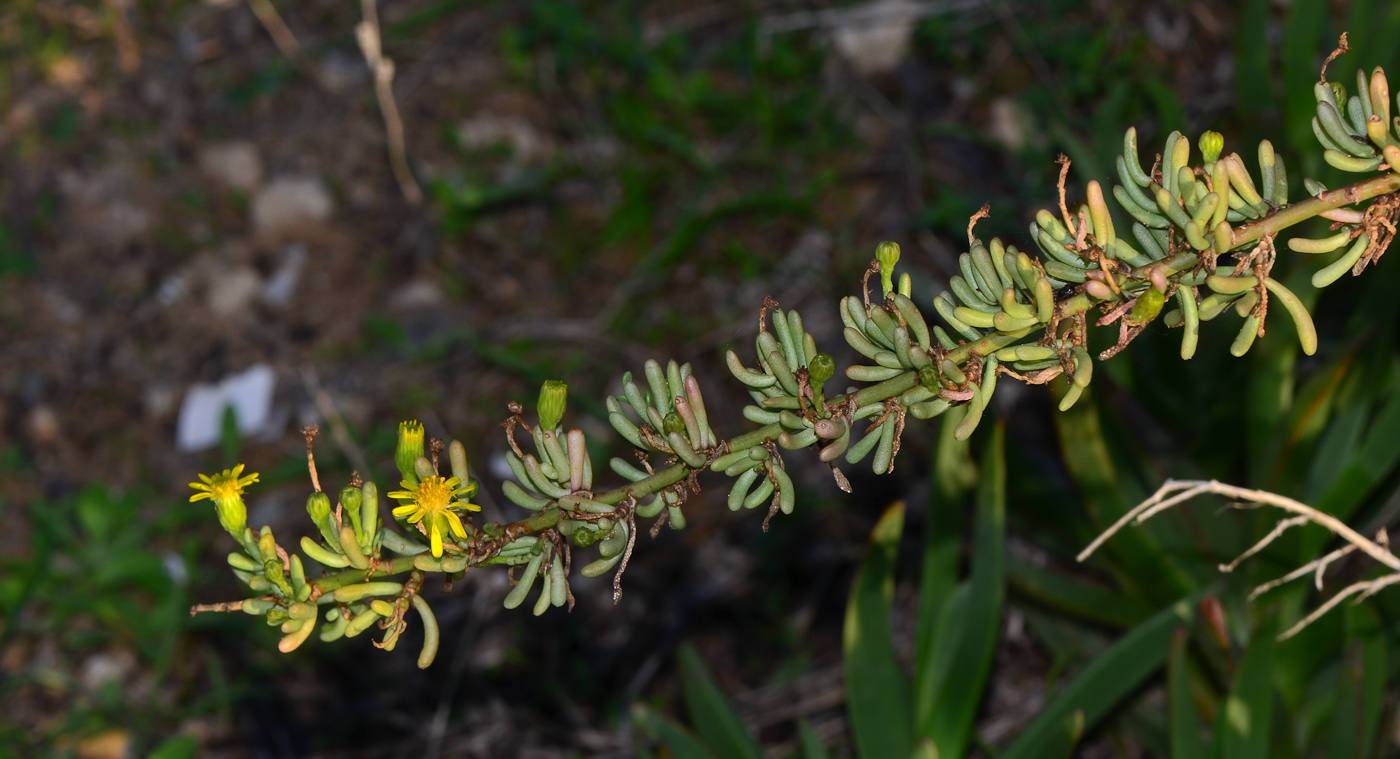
pixel 367 34
pixel 128 52
pixel 276 28
pixel 1174 492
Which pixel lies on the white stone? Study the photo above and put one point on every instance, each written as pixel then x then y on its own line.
pixel 287 203
pixel 526 143
pixel 202 411
pixel 417 293
pixel 875 40
pixel 282 285
pixel 232 291
pixel 235 165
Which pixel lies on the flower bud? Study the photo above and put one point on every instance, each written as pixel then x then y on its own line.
pixel 673 423
pixel 233 514
pixel 1339 91
pixel 887 253
pixel 350 506
pixel 820 368
pixel 554 396
pixel 318 507
pixel 409 448
pixel 928 377
pixel 1211 143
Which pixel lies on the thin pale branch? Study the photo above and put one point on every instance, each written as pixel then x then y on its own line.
pixel 367 35
pixel 1316 566
pixel 1366 588
pixel 1265 541
pixel 1174 492
pixel 276 28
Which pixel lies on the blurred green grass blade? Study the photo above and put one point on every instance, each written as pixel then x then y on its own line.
pixel 1244 726
pixel 1307 36
pixel 1373 31
pixel 1075 597
pixel 1306 420
pixel 1336 447
pixel 710 713
pixel 1135 557
pixel 946 706
pixel 955 474
pixel 1185 728
pixel 678 741
pixel 1374 460
pixel 1361 694
pixel 811 745
pixel 1103 685
pixel 1253 78
pixel 877 694
pixel 178 747
pixel 954 471
pixel 1271 381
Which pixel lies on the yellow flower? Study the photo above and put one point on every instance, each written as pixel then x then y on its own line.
pixel 226 490
pixel 431 502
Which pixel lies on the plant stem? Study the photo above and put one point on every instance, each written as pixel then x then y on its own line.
pixel 1289 215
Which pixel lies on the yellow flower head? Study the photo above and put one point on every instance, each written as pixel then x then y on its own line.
pixel 432 503
pixel 226 490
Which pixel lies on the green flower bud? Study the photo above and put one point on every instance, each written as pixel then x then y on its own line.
pixel 820 368
pixel 673 423
pixel 410 447
pixel 1211 143
pixel 1339 91
pixel 350 505
pixel 928 377
pixel 887 253
pixel 272 570
pixel 267 546
pixel 554 397
pixel 1148 305
pixel 318 507
pixel 584 538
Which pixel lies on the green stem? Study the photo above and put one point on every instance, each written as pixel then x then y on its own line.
pixel 1289 215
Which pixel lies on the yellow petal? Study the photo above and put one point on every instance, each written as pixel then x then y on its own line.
pixel 404 510
pixel 470 507
pixel 456 523
pixel 437 543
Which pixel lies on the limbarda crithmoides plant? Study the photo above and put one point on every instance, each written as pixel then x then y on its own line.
pixel 1204 240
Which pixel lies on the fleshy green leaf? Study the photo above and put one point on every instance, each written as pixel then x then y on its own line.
pixel 877 692
pixel 681 743
pixel 950 687
pixel 1242 730
pixel 1185 727
pixel 1359 699
pixel 1076 597
pixel 1134 555
pixel 1106 681
pixel 710 712
pixel 811 745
